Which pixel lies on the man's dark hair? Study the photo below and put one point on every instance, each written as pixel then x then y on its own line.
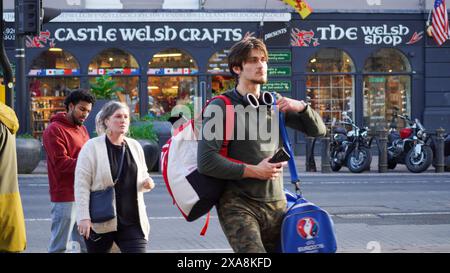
pixel 79 95
pixel 240 51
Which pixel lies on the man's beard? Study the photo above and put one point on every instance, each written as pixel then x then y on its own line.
pixel 261 81
pixel 76 121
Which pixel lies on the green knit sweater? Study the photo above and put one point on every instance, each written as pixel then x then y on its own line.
pixel 251 144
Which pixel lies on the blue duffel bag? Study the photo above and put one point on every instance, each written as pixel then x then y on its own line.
pixel 306 228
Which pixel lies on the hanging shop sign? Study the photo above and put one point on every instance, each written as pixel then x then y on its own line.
pixel 277 86
pixel 309 35
pixel 280 56
pixel 279 71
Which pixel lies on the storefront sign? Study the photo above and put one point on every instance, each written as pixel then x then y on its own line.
pixel 378 34
pixel 281 71
pixel 148 34
pixel 277 86
pixel 280 56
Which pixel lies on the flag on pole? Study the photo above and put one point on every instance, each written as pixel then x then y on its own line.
pixel 439 23
pixel 300 6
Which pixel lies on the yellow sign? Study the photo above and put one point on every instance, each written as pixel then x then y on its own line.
pixel 2 93
pixel 300 6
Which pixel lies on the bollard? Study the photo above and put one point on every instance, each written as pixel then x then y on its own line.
pixel 310 161
pixel 326 167
pixel 439 151
pixel 382 151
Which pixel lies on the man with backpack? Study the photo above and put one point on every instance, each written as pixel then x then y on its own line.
pixel 252 206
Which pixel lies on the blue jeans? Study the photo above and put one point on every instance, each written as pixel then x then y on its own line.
pixel 65 236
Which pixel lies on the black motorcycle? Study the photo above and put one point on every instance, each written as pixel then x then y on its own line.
pixel 409 145
pixel 349 148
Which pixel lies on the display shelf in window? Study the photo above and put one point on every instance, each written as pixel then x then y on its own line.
pixel 42 109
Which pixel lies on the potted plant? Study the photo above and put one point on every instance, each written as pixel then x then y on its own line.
pixel 104 90
pixel 28 150
pixel 145 134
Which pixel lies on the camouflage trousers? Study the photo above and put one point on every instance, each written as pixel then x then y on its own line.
pixel 250 226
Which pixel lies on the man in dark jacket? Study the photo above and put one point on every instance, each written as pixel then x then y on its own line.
pixel 63 140
pixel 253 204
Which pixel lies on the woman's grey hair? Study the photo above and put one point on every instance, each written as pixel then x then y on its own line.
pixel 107 111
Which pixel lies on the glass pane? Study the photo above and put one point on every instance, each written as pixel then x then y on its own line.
pixel 47 98
pixel 55 60
pixel 221 83
pixel 330 60
pixel 332 97
pixel 114 62
pixel 172 61
pixel 387 60
pixel 130 95
pixel 167 91
pixel 218 63
pixel 381 95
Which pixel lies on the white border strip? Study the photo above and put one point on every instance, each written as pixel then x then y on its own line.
pixel 161 17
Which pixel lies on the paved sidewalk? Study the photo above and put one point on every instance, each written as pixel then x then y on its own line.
pixel 301 167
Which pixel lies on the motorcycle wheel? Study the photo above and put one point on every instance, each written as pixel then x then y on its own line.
pixel 422 162
pixel 362 164
pixel 334 166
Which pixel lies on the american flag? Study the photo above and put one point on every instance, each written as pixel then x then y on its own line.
pixel 440 22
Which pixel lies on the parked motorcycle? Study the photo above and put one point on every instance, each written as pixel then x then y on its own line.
pixel 409 145
pixel 349 148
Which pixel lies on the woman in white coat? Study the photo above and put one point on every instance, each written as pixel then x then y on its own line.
pixel 97 169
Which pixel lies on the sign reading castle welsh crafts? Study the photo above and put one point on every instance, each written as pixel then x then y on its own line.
pixel 148 34
pixel 379 34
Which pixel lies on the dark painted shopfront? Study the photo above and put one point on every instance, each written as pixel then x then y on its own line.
pixel 159 65
pixel 364 64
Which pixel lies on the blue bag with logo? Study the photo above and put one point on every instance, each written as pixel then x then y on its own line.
pixel 306 228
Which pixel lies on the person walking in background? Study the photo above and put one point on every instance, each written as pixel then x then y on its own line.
pixel 62 141
pixel 12 222
pixel 113 160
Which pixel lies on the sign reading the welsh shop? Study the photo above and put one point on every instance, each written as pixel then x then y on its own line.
pixel 366 33
pixel 277 86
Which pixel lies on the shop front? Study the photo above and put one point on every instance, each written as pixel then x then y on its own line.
pixel 156 65
pixel 363 64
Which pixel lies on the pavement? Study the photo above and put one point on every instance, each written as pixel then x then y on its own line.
pixel 394 212
pixel 301 168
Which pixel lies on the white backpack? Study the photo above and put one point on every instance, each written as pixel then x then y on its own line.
pixel 193 193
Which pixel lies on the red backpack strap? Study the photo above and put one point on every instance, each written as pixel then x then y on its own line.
pixel 229 125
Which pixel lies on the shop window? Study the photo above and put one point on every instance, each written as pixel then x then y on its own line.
pixel 387 85
pixel 221 79
pixel 172 80
pixel 123 69
pixel 330 84
pixel 53 74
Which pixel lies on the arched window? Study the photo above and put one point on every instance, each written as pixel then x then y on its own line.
pixel 172 80
pixel 330 83
pixel 221 78
pixel 387 85
pixel 52 75
pixel 123 69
